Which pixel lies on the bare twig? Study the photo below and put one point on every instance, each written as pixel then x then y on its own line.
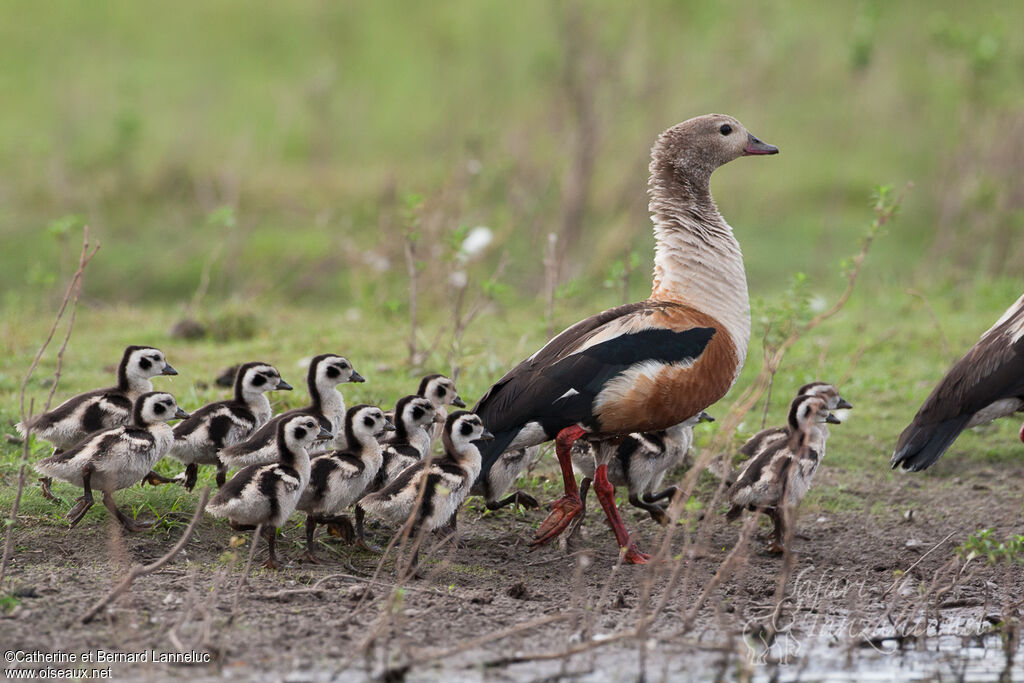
pixel 142 570
pixel 71 295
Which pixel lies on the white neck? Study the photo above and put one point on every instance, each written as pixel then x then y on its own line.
pixel 697 260
pixel 137 386
pixel 419 438
pixel 332 403
pixel 259 404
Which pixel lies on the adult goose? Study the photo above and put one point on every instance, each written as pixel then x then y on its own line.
pixel 987 383
pixel 649 365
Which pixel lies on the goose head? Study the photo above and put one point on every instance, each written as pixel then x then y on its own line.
pixel 690 151
pixel 328 371
pixel 139 363
pixel 415 412
pixel 440 390
pixel 301 431
pixel 827 391
pixel 807 411
pixel 154 407
pixel 364 423
pixel 461 429
pixel 255 378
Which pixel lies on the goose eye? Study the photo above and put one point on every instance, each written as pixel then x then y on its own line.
pixel 725 129
pixel 344 366
pixel 158 409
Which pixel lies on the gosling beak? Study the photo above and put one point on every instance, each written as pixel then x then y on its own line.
pixel 843 403
pixel 458 402
pixel 439 419
pixel 180 414
pixel 168 370
pixel 755 146
pixel 832 419
pixel 356 377
pixel 388 426
pixel 324 435
pixel 486 436
pixel 281 384
pixel 704 417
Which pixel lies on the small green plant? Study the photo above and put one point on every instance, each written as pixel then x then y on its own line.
pixel 983 543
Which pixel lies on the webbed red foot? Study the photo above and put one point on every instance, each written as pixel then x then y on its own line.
pixel 563 511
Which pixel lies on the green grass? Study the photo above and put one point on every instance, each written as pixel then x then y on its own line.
pixel 279 151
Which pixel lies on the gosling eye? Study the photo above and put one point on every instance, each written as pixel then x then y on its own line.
pixel 159 409
pixel 725 129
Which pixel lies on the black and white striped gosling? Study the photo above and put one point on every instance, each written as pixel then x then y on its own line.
pixel 430 492
pixel 325 373
pixel 441 392
pixel 760 441
pixel 116 458
pixel 337 479
pixel 414 418
pixel 493 484
pixel 268 494
pixel 81 415
pixel 225 423
pixel 639 462
pixel 776 479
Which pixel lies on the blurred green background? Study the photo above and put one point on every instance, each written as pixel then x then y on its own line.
pixel 285 148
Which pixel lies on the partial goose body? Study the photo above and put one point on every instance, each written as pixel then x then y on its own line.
pixel 986 384
pixel 415 417
pixel 430 492
pixel 268 494
pixel 779 476
pixel 327 404
pixel 639 462
pixel 502 474
pixel 650 365
pixel 774 435
pixel 81 415
pixel 339 478
pixel 217 425
pixel 116 458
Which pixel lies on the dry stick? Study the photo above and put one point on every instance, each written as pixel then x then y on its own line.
pixel 71 295
pixel 947 350
pixel 424 656
pixel 919 560
pixel 551 281
pixel 142 570
pixel 244 579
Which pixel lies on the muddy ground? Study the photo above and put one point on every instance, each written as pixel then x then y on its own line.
pixel 493 611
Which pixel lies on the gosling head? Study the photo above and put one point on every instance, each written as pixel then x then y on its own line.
pixel 328 371
pixel 807 411
pixel 255 378
pixel 690 151
pixel 301 431
pixel 440 391
pixel 415 412
pixel 461 429
pixel 828 392
pixel 154 407
pixel 141 363
pixel 364 423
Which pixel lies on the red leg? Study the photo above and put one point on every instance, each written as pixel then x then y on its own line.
pixel 606 494
pixel 568 506
pixel 1022 432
